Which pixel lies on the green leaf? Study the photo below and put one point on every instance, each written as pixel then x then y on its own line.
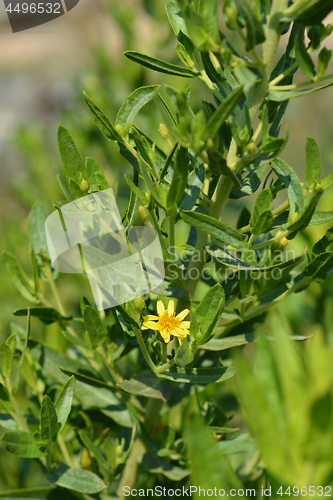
pixel 321 217
pixel 156 465
pixel 146 384
pixel 292 183
pixel 111 454
pixel 255 32
pixel 88 379
pixel 234 262
pixel 103 122
pixel 323 60
pixel 94 326
pixel 303 222
pixel 313 162
pixel 219 116
pixel 179 179
pixel 22 444
pixel 198 375
pixel 319 267
pixel 134 102
pixel 48 420
pixel 91 447
pixel 47 315
pixel 19 278
pixel 135 189
pixel 175 17
pixel 73 163
pixel 208 464
pixel 228 342
pixel 303 59
pixel 209 311
pixel 5 404
pixel 184 354
pixel 308 13
pixel 261 218
pixel 36 228
pixel 215 228
pixel 64 402
pixel 95 176
pixel 284 95
pixel 6 359
pixel 78 480
pixel 323 243
pixel 161 66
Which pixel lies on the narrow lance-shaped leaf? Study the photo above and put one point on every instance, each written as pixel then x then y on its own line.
pixel 305 219
pixel 292 183
pixel 255 32
pixel 179 179
pixel 78 480
pixel 215 228
pixel 324 242
pixel 19 278
pixel 103 122
pixel 262 216
pixel 222 112
pixel 184 354
pixel 161 66
pixel 319 268
pixel 134 102
pixel 94 175
pixel 6 359
pixel 71 158
pixel 36 228
pixel 47 315
pixel 209 311
pixel 303 59
pixel 175 17
pixel 64 402
pixel 94 326
pixel 284 95
pixel 48 420
pixel 313 162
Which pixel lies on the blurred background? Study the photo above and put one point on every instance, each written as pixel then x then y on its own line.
pixel 43 72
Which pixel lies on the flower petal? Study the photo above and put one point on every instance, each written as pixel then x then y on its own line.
pixel 165 336
pixel 151 325
pixel 178 332
pixel 149 317
pixel 185 324
pixel 182 315
pixel 171 308
pixel 160 308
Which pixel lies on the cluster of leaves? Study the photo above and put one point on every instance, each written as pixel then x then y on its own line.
pixel 102 421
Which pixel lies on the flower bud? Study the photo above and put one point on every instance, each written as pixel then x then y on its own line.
pixel 251 148
pixel 84 186
pixel 231 14
pixel 144 214
pixel 139 304
pixel 164 131
pixel 281 244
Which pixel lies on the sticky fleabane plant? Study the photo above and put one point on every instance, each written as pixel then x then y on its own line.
pixel 134 362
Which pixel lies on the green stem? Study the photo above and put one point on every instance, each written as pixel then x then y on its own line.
pixel 49 276
pixel 302 84
pixel 144 350
pixel 279 237
pixel 64 451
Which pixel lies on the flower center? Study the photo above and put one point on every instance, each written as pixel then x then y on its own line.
pixel 167 322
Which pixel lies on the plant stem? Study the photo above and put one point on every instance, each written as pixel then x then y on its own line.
pixel 49 276
pixel 63 448
pixel 144 350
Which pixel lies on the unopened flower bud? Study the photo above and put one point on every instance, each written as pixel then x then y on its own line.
pixel 85 460
pixel 139 304
pixel 294 218
pixel 84 186
pixel 164 131
pixel 144 214
pixel 251 148
pixel 280 244
pixel 231 14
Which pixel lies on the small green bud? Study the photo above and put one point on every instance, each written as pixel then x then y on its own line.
pixel 85 460
pixel 144 214
pixel 84 186
pixel 251 148
pixel 139 304
pixel 281 244
pixel 231 14
pixel 164 131
pixel 215 62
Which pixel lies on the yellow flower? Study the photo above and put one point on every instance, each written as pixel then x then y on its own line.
pixel 167 323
